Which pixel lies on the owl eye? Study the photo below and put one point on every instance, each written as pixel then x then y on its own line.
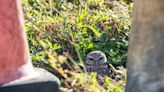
pixel 91 59
pixel 100 58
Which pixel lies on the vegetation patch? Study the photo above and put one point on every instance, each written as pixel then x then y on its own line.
pixel 62 32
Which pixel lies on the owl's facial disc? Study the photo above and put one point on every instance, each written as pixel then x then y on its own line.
pixel 95 58
pixel 99 60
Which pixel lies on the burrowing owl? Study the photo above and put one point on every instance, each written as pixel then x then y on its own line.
pixel 96 61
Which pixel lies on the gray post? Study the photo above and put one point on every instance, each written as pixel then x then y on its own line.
pixel 146 48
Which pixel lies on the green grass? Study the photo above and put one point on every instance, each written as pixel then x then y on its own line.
pixel 61 33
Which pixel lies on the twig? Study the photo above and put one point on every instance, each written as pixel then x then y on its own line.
pixel 113 68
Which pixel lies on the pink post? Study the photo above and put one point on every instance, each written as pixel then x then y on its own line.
pixel 15 61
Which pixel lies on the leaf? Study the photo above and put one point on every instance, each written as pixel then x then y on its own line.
pixel 90 45
pixel 56 46
pixel 27 28
pixel 48 42
pixel 107 80
pixel 96 32
pixel 82 16
pixel 43 44
pixel 62 58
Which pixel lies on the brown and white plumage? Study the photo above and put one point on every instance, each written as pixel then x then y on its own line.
pixel 96 61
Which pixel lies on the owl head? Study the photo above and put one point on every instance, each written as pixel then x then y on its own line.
pixel 95 58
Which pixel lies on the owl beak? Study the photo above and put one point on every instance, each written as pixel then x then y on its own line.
pixel 96 62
